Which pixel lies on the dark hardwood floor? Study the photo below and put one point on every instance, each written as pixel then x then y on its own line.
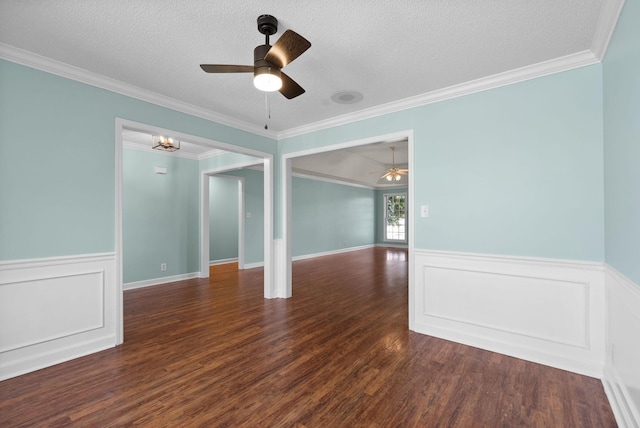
pixel 215 353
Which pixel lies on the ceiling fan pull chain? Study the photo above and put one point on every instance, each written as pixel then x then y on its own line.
pixel 267 107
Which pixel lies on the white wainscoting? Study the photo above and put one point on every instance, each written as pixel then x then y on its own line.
pixel 622 369
pixel 542 310
pixel 55 309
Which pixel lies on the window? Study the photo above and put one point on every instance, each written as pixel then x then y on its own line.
pixel 395 225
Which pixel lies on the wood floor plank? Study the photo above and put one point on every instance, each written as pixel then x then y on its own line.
pixel 214 352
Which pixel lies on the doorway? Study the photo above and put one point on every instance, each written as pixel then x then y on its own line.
pixel 285 253
pixel 247 156
pixel 226 220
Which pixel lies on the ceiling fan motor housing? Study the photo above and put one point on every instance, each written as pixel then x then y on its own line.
pixel 267 25
pixel 260 64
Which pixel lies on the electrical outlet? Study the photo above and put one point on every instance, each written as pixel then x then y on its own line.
pixel 163 266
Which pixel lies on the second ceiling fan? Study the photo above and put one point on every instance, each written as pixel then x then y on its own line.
pixel 268 61
pixel 394 173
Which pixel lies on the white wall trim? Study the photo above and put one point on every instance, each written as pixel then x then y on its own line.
pixel 55 261
pixel 159 281
pixel 79 317
pixel 332 252
pixel 339 181
pixel 58 68
pixel 545 68
pixel 528 260
pixel 387 245
pixel 223 261
pixel 542 310
pixel 622 369
pixel 253 265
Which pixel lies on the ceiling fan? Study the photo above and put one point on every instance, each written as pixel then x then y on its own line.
pixel 394 173
pixel 268 61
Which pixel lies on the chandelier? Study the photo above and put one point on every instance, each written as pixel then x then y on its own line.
pixel 167 144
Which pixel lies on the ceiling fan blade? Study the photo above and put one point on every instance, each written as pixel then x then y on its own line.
pixel 224 68
pixel 288 47
pixel 290 88
pixel 385 174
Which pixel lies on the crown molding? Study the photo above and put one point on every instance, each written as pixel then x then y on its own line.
pixel 607 21
pixel 39 62
pixel 557 65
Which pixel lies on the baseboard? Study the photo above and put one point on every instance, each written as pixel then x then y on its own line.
pixel 222 261
pixel 253 265
pixel 385 245
pixel 55 309
pixel 29 362
pixel 622 374
pixel 619 400
pixel 332 252
pixel 314 255
pixel 542 310
pixel 158 281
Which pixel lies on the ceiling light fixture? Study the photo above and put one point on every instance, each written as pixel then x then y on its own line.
pixel 167 144
pixel 394 176
pixel 267 79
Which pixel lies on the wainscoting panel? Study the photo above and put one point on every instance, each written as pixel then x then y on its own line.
pixel 55 309
pixel 541 310
pixel 622 369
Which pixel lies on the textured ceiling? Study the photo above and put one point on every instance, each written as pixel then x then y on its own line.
pixel 387 50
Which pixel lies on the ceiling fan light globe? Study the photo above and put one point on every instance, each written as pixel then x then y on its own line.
pixel 267 79
pixel 397 177
pixel 389 177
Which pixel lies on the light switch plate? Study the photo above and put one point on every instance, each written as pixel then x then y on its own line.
pixel 424 211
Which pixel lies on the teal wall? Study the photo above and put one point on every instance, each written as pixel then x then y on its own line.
pixel 159 215
pixel 223 218
pixel 622 144
pixel 515 170
pixel 328 216
pixel 379 213
pixel 57 156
